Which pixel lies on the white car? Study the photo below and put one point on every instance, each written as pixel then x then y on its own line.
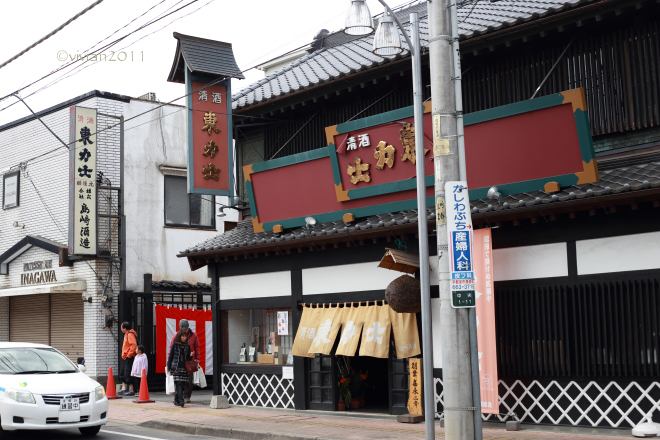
pixel 41 389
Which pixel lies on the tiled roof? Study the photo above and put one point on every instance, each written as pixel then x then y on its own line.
pixel 206 57
pixel 612 181
pixel 178 285
pixel 341 55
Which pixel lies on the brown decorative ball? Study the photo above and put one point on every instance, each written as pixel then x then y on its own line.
pixel 404 295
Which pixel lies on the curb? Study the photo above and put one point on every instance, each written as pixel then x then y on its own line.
pixel 224 432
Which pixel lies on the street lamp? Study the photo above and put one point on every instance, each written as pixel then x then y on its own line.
pixel 358 19
pixel 387 42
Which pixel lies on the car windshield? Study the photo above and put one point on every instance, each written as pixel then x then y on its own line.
pixel 33 361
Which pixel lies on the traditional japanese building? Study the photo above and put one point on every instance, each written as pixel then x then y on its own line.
pixel 575 269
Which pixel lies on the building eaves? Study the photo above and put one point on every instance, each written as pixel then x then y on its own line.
pixel 66 104
pixel 203 57
pixel 613 182
pixel 341 55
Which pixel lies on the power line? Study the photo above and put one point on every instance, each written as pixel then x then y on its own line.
pixel 100 50
pixel 59 28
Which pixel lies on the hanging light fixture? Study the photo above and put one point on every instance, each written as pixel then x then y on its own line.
pixel 387 40
pixel 358 19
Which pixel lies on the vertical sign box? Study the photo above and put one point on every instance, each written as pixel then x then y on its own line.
pixel 82 181
pixel 483 266
pixel 459 231
pixel 415 401
pixel 210 139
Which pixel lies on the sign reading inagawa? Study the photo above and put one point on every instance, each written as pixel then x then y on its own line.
pixel 82 181
pixel 459 230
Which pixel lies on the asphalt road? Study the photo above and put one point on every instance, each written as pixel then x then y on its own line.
pixel 108 432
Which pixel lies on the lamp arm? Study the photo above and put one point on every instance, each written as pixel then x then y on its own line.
pixel 396 19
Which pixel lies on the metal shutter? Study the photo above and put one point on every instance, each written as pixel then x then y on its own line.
pixel 67 324
pixel 29 319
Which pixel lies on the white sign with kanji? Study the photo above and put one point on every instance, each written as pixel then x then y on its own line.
pixel 82 176
pixel 459 231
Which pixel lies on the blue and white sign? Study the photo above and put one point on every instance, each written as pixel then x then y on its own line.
pixel 459 230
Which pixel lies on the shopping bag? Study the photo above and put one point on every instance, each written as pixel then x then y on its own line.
pixel 406 336
pixel 169 384
pixel 376 332
pixel 199 378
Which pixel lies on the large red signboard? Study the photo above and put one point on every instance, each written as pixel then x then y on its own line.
pixel 367 169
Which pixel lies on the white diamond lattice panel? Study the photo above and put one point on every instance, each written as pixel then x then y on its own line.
pixel 268 390
pixel 609 404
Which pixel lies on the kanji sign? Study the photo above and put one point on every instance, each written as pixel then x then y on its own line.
pixel 82 180
pixel 210 143
pixel 415 402
pixel 459 230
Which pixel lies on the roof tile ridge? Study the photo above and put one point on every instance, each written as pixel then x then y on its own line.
pixel 280 72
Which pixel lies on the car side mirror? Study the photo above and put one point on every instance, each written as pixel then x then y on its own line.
pixel 82 368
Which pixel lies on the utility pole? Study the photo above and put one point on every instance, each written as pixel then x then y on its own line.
pixel 454 323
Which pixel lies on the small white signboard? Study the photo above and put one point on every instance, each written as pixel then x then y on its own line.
pixel 459 231
pixel 282 323
pixel 287 373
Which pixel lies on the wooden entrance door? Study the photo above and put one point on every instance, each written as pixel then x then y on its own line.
pixel 322 380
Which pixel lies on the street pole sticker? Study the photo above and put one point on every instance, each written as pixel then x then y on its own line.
pixel 459 231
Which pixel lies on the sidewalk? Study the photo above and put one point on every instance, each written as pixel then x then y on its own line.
pixel 270 424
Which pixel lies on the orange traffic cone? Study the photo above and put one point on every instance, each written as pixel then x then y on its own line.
pixel 144 390
pixel 110 391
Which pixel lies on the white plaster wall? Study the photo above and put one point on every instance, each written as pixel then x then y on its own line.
pixel 529 262
pixel 151 140
pixel 256 286
pixel 618 254
pixel 347 278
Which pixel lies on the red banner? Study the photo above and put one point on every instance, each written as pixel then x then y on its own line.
pixel 167 324
pixel 486 339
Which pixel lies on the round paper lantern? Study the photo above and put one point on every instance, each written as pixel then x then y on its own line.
pixel 404 295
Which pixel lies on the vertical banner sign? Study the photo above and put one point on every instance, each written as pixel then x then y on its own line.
pixel 82 181
pixel 209 137
pixel 459 230
pixel 415 406
pixel 486 340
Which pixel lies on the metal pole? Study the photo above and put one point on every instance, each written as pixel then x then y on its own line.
pixel 458 94
pixel 455 340
pixel 476 387
pixel 422 228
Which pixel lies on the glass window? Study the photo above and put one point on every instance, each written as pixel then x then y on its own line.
pixel 259 328
pixel 33 360
pixel 183 209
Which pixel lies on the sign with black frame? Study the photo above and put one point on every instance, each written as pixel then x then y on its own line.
pixel 11 190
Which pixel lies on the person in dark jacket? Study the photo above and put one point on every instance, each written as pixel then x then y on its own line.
pixel 193 341
pixel 176 364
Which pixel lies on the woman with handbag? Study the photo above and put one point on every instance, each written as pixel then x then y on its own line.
pixel 178 364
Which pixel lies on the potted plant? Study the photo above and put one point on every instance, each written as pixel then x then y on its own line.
pixel 344 393
pixel 358 386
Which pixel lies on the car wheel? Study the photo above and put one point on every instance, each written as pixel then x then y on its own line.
pixel 90 430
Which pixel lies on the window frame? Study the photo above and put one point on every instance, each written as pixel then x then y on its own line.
pixel 213 225
pixel 18 189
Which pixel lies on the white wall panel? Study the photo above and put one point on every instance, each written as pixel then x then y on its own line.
pixel 347 278
pixel 529 262
pixel 618 254
pixel 435 329
pixel 256 286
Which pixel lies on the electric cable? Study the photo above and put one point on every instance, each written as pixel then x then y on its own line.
pixel 59 28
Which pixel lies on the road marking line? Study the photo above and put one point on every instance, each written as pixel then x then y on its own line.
pixel 132 435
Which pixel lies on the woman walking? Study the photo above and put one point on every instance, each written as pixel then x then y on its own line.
pixel 176 365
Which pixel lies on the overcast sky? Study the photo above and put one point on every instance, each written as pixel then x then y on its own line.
pixel 258 29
